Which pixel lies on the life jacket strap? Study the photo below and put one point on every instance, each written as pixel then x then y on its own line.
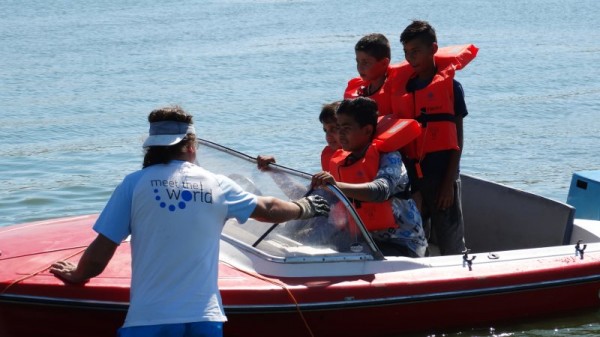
pixel 425 118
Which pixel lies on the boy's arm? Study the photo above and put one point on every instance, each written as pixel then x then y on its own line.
pixel 355 191
pixel 362 191
pixel 291 189
pixel 445 197
pixel 374 191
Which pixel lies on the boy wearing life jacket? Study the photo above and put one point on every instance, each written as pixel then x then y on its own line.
pixel 430 94
pixel 375 181
pixel 373 54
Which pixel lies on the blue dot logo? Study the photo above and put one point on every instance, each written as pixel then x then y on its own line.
pixel 186 195
pixel 180 199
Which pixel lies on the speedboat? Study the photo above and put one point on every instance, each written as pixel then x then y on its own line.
pixel 528 257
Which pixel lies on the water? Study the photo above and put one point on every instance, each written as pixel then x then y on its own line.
pixel 78 78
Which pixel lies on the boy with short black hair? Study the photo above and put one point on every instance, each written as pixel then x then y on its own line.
pixel 432 96
pixel 373 55
pixel 375 181
pixel 330 127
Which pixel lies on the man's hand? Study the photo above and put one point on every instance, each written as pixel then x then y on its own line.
pixel 66 271
pixel 312 206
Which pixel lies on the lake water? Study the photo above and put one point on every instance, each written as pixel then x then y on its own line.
pixel 78 78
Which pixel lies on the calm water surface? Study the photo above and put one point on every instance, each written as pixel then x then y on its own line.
pixel 78 78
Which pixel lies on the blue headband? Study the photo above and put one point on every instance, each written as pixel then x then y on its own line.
pixel 166 133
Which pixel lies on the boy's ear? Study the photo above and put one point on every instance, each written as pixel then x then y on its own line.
pixel 386 61
pixel 368 129
pixel 434 47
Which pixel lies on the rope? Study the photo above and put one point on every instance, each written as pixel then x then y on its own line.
pixel 44 252
pixel 280 284
pixel 83 248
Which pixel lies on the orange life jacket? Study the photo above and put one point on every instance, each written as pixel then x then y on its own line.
pixel 356 88
pixel 432 106
pixel 459 56
pixel 375 215
pixel 326 155
pixel 391 135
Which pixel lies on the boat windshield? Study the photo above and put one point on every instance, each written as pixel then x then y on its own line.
pixel 340 236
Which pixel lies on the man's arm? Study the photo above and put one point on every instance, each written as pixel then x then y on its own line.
pixel 270 209
pixel 92 263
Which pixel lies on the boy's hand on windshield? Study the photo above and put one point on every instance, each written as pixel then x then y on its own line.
pixel 264 161
pixel 322 179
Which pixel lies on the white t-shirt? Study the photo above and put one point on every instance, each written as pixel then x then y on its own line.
pixel 175 214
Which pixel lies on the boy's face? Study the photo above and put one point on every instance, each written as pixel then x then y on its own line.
pixel 352 136
pixel 369 68
pixel 331 135
pixel 420 55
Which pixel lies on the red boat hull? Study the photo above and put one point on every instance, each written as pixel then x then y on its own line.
pixel 40 319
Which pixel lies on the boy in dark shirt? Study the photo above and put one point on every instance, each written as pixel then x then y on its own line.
pixel 436 100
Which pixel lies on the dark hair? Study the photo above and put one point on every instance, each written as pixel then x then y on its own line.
pixel 421 30
pixel 362 109
pixel 327 114
pixel 164 154
pixel 376 45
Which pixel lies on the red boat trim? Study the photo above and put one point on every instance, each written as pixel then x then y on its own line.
pixel 242 309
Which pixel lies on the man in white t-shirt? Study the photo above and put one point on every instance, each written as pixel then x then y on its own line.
pixel 174 211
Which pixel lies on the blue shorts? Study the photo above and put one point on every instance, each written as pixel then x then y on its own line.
pixel 196 329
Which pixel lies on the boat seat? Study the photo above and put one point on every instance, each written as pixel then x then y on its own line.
pixel 498 217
